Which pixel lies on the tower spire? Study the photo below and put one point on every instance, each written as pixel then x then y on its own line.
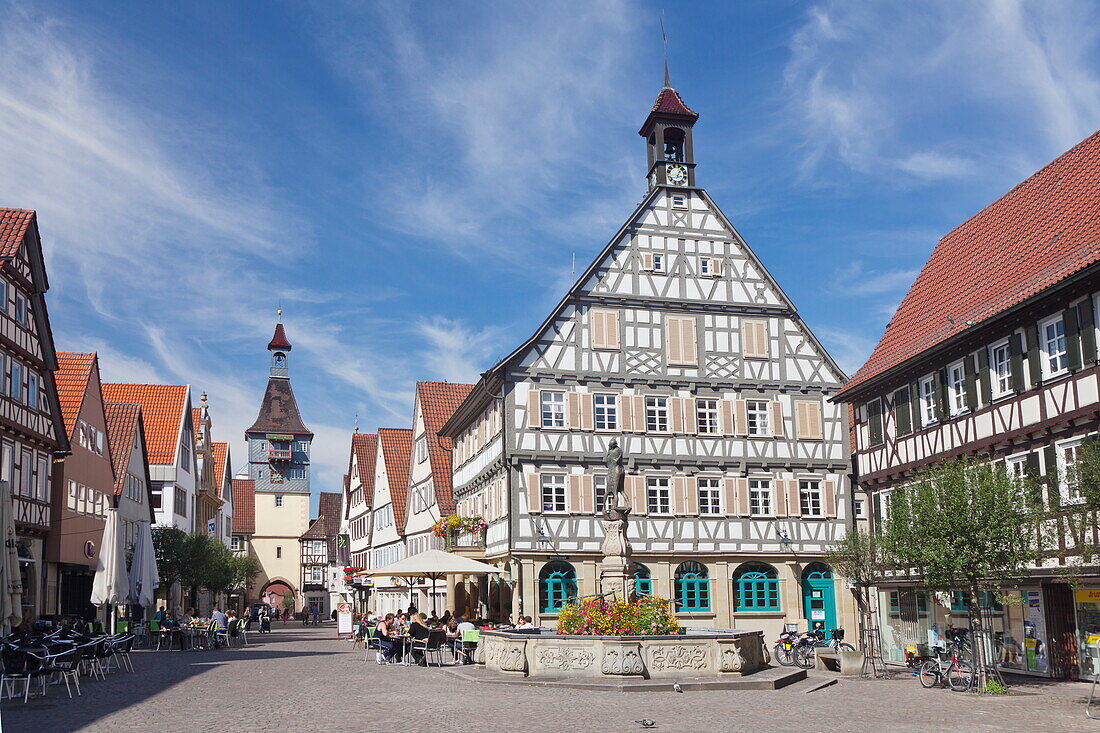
pixel 664 42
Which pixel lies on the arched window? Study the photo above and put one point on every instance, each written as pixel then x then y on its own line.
pixel 817 571
pixel 643 582
pixel 756 588
pixel 280 360
pixel 557 581
pixel 692 587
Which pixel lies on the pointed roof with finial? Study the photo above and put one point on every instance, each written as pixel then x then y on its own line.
pixel 668 104
pixel 279 340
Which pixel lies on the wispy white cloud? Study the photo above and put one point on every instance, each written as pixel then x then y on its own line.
pixel 855 280
pixel 937 165
pixel 847 347
pixel 456 352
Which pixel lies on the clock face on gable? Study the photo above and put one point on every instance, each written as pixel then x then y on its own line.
pixel 677 175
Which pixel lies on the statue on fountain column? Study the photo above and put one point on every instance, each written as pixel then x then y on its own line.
pixel 616 476
pixel 615 567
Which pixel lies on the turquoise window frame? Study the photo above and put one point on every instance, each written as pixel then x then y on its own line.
pixel 692 588
pixel 757 587
pixel 643 580
pixel 960 601
pixel 557 582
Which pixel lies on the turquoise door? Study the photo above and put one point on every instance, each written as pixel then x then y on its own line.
pixel 818 600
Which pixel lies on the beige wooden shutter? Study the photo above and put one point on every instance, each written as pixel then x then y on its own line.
pixel 534 494
pixel 808 420
pixel 588 494
pixel 647 260
pixel 754 334
pixel 794 506
pixel 691 496
pixel 586 409
pixel 534 416
pixel 676 415
pixel 716 266
pixel 638 412
pixel 636 486
pixel 687 416
pixel 674 345
pixel 599 329
pixel 572 410
pixel 741 418
pixel 779 498
pixel 777 418
pixel 726 423
pixel 829 490
pixel 574 482
pixel 688 343
pixel 611 329
pixel 679 491
pixel 743 506
pixel 625 413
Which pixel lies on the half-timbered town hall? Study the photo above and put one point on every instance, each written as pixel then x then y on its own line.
pixel 677 342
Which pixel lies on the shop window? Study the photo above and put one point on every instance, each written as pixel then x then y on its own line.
pixel 557 582
pixel 756 587
pixel 692 587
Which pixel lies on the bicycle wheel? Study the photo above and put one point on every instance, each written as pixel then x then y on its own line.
pixel 929 674
pixel 804 656
pixel 783 655
pixel 846 647
pixel 959 677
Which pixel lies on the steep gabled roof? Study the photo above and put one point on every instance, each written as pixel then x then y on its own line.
pixel 438 401
pixel 364 447
pixel 244 506
pixel 396 445
pixel 13 228
pixel 1039 233
pixel 74 372
pixel 329 506
pixel 279 410
pixel 315 531
pixel 221 456
pixel 123 422
pixel 162 409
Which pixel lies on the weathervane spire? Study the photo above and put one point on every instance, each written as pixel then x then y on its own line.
pixel 664 42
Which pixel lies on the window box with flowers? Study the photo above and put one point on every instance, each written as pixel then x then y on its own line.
pixel 461 532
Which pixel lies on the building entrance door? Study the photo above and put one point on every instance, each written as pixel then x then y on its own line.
pixel 818 600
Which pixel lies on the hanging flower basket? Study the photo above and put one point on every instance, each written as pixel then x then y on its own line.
pixel 458 525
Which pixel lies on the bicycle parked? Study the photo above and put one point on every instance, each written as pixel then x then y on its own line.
pixel 794 648
pixel 957 672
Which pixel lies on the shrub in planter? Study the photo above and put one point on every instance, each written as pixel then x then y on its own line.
pixel 644 616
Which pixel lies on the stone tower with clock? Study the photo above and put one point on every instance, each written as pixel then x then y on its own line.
pixel 667 131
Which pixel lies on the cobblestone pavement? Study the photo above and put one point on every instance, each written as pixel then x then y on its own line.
pixel 300 679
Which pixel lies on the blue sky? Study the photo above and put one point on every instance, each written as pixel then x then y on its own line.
pixel 411 180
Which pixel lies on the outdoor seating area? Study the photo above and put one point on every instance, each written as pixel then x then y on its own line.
pixel 408 639
pixel 33 661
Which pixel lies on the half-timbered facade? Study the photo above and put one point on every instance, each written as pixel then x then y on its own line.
pixel 387 524
pixel 32 431
pixel 993 353
pixel 677 342
pixel 357 513
pixel 322 555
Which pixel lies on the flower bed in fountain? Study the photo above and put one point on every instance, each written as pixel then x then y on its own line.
pixel 619 639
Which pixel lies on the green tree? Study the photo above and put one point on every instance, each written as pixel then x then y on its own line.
pixel 1079 517
pixel 247 568
pixel 857 557
pixel 199 554
pixel 168 545
pixel 964 524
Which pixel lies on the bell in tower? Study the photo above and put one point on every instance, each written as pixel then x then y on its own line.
pixel 667 131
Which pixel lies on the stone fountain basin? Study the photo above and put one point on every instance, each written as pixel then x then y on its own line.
pixel 695 653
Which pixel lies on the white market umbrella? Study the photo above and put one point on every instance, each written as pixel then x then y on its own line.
pixel 111 585
pixel 11 586
pixel 144 579
pixel 433 565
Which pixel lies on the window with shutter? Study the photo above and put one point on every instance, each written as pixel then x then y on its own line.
pixel 754 336
pixel 874 422
pixel 903 415
pixel 605 329
pixel 680 342
pixel 808 420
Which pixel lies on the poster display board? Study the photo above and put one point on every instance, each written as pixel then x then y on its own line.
pixel 343 618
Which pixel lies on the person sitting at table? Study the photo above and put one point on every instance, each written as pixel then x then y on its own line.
pixel 383 633
pixel 418 631
pixel 400 621
pixel 446 618
pixel 525 623
pixel 218 617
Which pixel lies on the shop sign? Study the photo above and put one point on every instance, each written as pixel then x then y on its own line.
pixel 89 549
pixel 343 618
pixel 1088 595
pixel 817 615
pixel 280 437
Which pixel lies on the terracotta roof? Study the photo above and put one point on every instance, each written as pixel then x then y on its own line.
pixel 669 101
pixel 364 447
pixel 244 506
pixel 13 228
pixel 1042 231
pixel 162 410
pixel 74 370
pixel 123 422
pixel 329 506
pixel 396 446
pixel 196 422
pixel 279 340
pixel 221 455
pixel 438 401
pixel 279 410
pixel 316 530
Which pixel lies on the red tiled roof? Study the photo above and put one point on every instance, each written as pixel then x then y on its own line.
pixel 13 228
pixel 74 370
pixel 364 447
pixel 244 506
pixel 122 426
pixel 279 410
pixel 438 401
pixel 279 340
pixel 396 446
pixel 1039 233
pixel 315 531
pixel 196 422
pixel 329 505
pixel 221 455
pixel 162 410
pixel 669 102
